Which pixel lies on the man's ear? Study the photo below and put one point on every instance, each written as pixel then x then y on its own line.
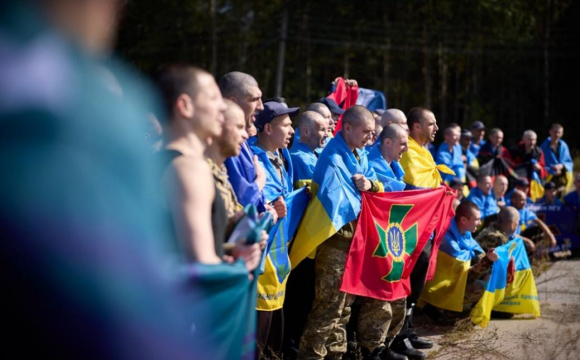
pixel 305 131
pixel 268 128
pixel 184 106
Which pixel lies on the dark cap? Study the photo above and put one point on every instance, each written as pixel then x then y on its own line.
pixel 271 110
pixel 549 186
pixel 380 112
pixel 466 133
pixel 478 125
pixel 522 182
pixel 332 105
pixel 455 181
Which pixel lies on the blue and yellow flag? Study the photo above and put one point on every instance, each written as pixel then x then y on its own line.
pixel 335 202
pixel 391 176
pixel 536 187
pixel 303 161
pixel 563 157
pixel 420 168
pixel 520 296
pixel 272 283
pixel 447 289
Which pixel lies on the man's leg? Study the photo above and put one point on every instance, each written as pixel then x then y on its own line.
pixel 374 319
pixel 328 306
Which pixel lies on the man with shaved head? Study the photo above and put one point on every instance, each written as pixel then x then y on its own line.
pixel 313 133
pixel 325 331
pixel 501 231
pixel 394 116
pixel 528 160
pixel 246 176
pixel 384 158
pixel 493 148
pixel 559 164
pixel 483 197
pixel 529 224
pixel 450 154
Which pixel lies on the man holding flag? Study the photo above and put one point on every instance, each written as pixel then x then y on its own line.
pixel 342 172
pixel 384 158
pixel 421 172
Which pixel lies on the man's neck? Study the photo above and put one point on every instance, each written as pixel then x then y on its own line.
pixel 418 140
pixel 213 152
pixel 554 141
pixel 310 147
pixel 263 143
pixel 187 142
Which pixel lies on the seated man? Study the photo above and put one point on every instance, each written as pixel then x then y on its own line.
pixel 573 198
pixel 461 248
pixel 550 195
pixel 522 184
pixel 527 157
pixel 482 197
pixel 559 164
pixel 502 231
pixel 384 158
pixel 477 141
pixel 493 149
pixel 500 187
pixel 314 131
pixel 449 153
pixel 529 225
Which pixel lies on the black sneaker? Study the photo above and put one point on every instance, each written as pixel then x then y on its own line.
pixel 419 343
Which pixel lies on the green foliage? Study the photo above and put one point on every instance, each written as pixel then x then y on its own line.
pixel 492 51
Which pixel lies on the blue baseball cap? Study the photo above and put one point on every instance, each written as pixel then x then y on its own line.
pixel 271 110
pixel 332 105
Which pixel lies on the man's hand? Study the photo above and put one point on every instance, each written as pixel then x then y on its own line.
pixel 263 240
pixel 361 182
pixel 271 210
pixel 252 254
pixel 280 206
pixel 260 174
pixel 492 255
pixel 538 167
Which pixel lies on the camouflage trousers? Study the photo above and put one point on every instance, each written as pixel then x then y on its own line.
pixel 325 332
pixel 474 291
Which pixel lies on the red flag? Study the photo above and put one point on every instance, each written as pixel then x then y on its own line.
pixel 392 230
pixel 345 96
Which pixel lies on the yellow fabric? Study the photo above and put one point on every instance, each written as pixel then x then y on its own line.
pixel 520 297
pixel 569 180
pixel 420 168
pixel 302 183
pixel 271 293
pixel 315 228
pixel 447 289
pixel 536 191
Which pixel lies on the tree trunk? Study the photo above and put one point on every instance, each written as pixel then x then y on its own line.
pixel 281 53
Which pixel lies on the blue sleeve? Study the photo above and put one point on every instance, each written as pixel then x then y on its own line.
pixel 246 191
pixel 566 158
pixel 445 158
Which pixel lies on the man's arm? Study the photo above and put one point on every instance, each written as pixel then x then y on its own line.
pixel 546 230
pixel 190 193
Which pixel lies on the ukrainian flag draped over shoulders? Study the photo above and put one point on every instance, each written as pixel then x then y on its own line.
pixel 520 296
pixel 420 168
pixel 335 202
pixel 447 289
pixel 391 176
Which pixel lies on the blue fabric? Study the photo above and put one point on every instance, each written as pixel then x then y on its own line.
pixel 474 148
pixel 462 247
pixel 275 186
pixel 242 176
pixel 551 159
pixel 486 204
pixel 371 99
pixel 572 199
pixel 391 176
pixel 452 159
pixel 471 157
pixel 508 199
pixel 542 201
pixel 527 219
pixel 333 173
pixel 432 150
pixel 303 162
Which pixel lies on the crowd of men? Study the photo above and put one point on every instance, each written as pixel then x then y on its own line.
pixel 82 188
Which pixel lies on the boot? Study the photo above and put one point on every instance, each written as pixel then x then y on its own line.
pixel 391 355
pixel 419 343
pixel 405 348
pixel 375 355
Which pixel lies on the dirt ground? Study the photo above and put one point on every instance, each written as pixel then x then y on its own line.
pixel 555 335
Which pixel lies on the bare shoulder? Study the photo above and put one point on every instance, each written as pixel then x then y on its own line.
pixel 191 175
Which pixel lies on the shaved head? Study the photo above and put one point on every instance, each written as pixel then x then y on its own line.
pixel 309 119
pixel 235 84
pixel 393 116
pixel 508 215
pixel 357 115
pixel 393 132
pixel 319 108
